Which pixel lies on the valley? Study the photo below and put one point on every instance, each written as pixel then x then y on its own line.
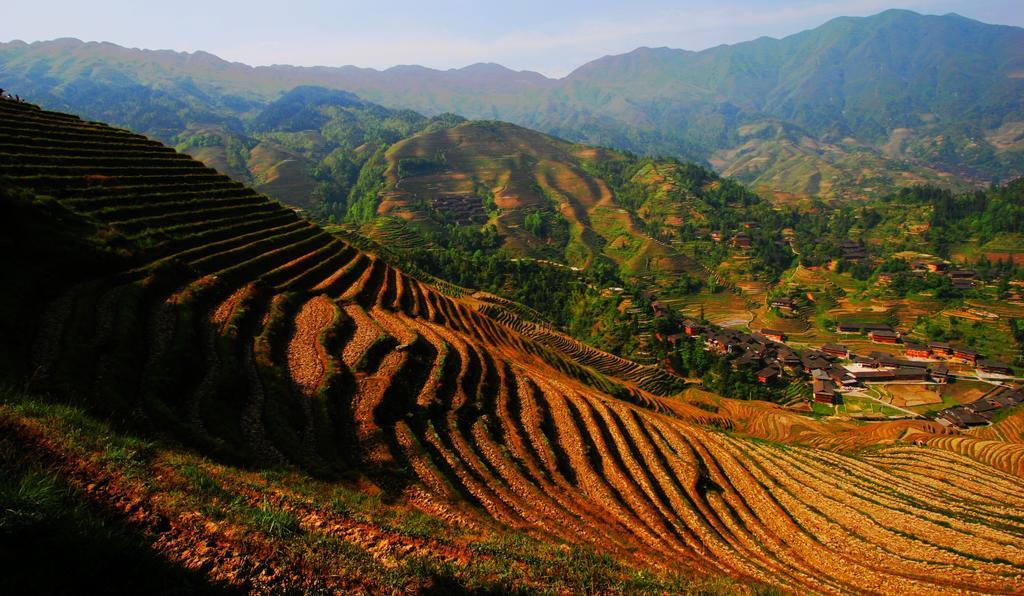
pixel 741 320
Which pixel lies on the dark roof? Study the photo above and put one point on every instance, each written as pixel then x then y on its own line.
pixel 993 364
pixel 866 326
pixel 962 417
pixel 834 348
pixel 984 405
pixel 893 375
pixel 884 333
pixel 769 371
pixel 823 387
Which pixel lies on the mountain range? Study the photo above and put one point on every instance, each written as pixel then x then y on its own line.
pixel 847 110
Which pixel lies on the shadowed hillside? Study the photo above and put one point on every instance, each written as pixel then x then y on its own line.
pixel 182 308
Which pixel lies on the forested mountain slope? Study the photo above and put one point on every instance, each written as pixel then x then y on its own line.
pixel 856 106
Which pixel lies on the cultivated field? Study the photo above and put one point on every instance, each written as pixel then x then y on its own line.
pixel 259 338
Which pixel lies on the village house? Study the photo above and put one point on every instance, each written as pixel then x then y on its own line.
pixel 693 328
pixel 742 241
pixel 940 349
pixel 862 327
pixel 913 350
pixel 675 339
pixel 940 374
pixel 814 361
pixel 852 251
pixel 963 274
pixel 960 417
pixel 994 367
pixel 891 375
pixel 768 374
pixel 785 305
pixel 882 336
pixel 824 391
pixel 774 335
pixel 836 350
pixel 746 360
pixel 965 355
pixel 788 358
pixel 840 376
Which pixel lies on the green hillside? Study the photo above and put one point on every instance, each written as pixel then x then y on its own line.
pixel 920 98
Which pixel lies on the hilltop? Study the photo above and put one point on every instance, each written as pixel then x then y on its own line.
pixel 267 407
pixel 860 99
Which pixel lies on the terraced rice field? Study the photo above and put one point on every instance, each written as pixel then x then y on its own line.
pixel 274 340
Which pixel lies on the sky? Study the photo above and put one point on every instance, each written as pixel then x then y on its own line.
pixel 548 36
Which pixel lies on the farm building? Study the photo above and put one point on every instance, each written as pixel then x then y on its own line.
pixel 881 336
pixel 774 335
pixel 940 349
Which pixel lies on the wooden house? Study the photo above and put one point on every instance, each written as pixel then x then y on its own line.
pixel 994 367
pixel 913 350
pixel 768 374
pixel 824 391
pixel 881 336
pixel 965 355
pixel 836 350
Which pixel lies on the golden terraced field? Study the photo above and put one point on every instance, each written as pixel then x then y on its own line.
pixel 256 336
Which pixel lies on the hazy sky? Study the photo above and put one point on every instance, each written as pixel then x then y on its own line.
pixel 549 36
